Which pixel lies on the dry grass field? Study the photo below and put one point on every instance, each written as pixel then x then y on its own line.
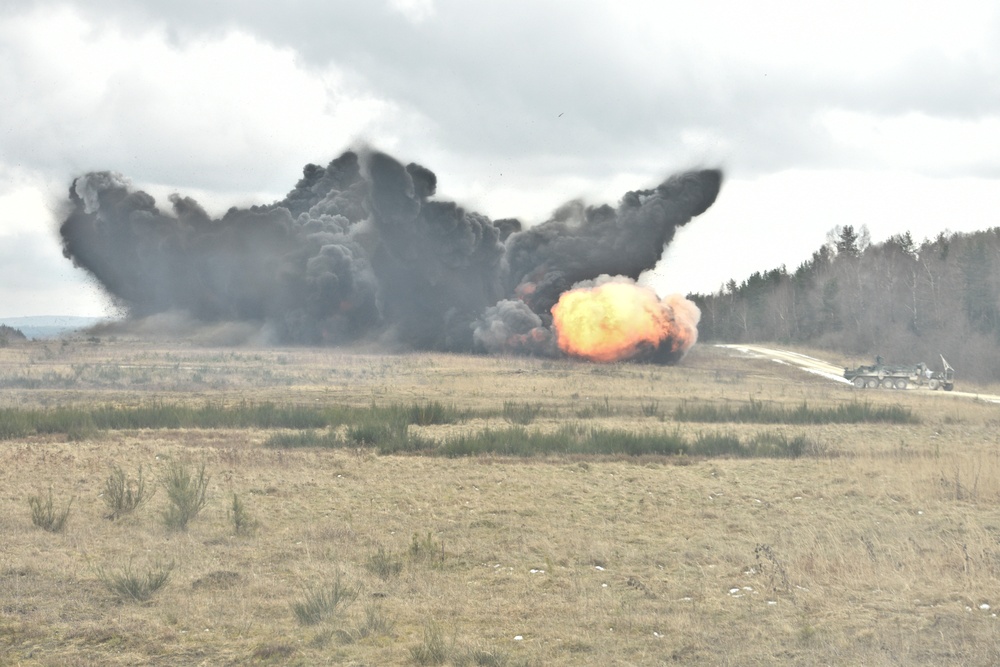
pixel 878 545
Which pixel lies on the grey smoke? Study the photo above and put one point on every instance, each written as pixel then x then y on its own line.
pixel 362 249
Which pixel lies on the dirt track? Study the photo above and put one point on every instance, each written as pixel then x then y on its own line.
pixel 836 373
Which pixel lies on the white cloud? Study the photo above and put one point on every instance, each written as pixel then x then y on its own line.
pixel 226 111
pixel 414 10
pixel 35 279
pixel 919 142
pixel 762 223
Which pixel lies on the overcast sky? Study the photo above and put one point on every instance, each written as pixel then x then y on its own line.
pixel 877 113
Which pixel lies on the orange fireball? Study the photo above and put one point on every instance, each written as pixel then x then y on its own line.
pixel 616 320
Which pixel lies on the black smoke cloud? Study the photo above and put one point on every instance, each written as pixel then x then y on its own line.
pixel 361 250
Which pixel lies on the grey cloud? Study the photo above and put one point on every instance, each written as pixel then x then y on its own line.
pixel 520 82
pixel 492 80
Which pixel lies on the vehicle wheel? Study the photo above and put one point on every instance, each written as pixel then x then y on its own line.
pixel 934 384
pixel 872 383
pixel 949 387
pixel 860 383
pixel 901 384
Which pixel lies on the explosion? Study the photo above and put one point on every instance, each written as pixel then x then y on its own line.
pixel 363 250
pixel 614 319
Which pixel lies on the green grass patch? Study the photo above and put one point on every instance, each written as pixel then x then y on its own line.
pixel 310 438
pixel 74 421
pixel 581 440
pixel 758 412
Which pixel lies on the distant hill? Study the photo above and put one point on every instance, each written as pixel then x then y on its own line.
pixel 44 326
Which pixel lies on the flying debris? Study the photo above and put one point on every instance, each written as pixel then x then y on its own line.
pixel 362 250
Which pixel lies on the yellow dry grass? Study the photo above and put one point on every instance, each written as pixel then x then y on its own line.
pixel 885 550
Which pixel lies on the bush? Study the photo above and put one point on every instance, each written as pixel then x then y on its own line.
pixel 45 516
pixel 131 586
pixel 123 495
pixel 187 494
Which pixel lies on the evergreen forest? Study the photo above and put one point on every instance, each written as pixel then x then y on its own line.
pixel 905 301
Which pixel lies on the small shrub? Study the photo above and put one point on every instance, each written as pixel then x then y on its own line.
pixel 123 495
pixel 243 522
pixel 44 514
pixel 131 586
pixel 426 549
pixel 321 603
pixel 384 565
pixel 187 494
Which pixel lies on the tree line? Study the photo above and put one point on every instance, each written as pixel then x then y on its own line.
pixel 905 301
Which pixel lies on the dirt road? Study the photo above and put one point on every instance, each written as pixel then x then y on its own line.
pixel 836 373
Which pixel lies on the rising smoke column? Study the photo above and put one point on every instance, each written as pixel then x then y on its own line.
pixel 297 266
pixel 361 249
pixel 582 242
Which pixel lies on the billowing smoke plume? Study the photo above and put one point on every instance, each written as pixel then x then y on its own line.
pixel 359 249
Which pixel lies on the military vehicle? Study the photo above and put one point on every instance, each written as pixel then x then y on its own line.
pixel 901 377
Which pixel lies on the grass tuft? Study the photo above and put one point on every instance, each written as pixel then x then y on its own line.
pixel 520 413
pixel 322 602
pixel 131 586
pixel 384 565
pixel 375 623
pixel 425 414
pixel 433 649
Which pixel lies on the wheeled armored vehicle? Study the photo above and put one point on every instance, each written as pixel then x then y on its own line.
pixel 889 376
